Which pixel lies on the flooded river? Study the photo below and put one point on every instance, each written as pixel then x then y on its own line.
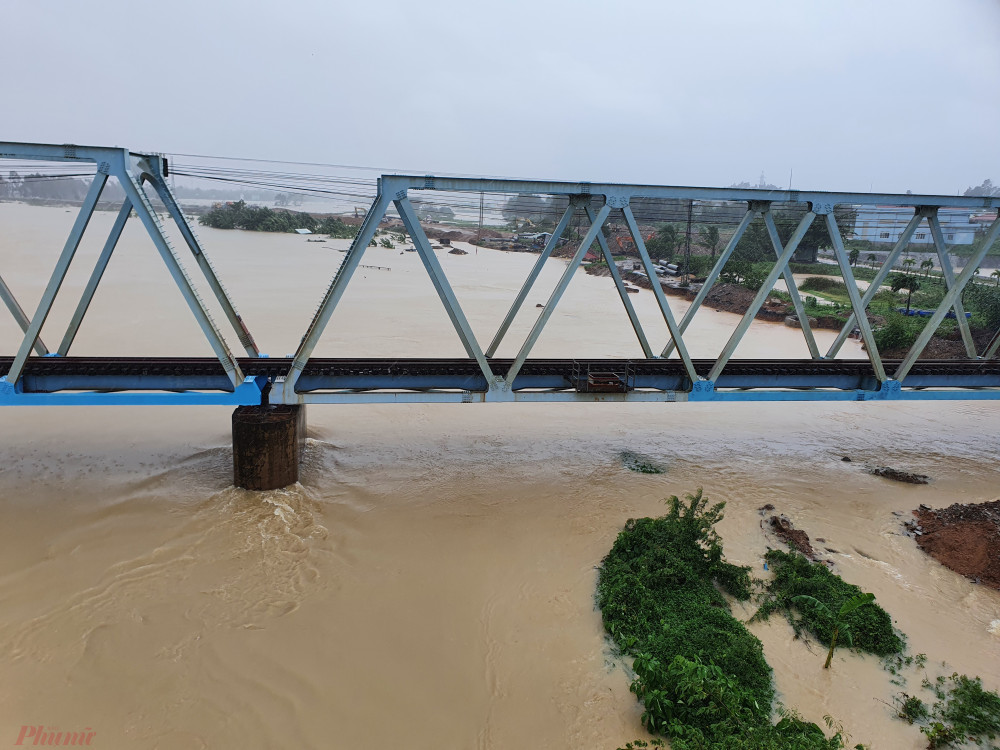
pixel 430 582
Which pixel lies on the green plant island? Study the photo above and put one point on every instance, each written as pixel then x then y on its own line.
pixel 701 675
pixel 241 215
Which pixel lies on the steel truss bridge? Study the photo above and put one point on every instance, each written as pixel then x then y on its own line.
pixel 55 377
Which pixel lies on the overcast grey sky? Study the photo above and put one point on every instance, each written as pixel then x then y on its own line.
pixel 853 94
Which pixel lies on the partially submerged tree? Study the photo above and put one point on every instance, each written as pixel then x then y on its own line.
pixel 840 628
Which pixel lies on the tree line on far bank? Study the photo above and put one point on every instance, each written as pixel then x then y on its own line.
pixel 241 215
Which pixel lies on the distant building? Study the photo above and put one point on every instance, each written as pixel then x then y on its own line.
pixel 537 239
pixel 885 224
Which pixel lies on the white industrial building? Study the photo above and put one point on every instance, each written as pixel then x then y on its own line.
pixel 884 224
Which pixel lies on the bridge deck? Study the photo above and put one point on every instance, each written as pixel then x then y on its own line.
pixel 50 374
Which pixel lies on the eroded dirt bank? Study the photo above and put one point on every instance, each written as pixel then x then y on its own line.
pixel 963 537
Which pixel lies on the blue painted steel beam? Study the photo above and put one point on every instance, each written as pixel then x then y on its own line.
pixel 392 183
pixel 248 393
pixel 476 382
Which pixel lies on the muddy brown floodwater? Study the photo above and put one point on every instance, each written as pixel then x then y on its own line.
pixel 430 582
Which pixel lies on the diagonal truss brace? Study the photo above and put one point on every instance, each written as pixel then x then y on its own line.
pixel 349 265
pixel 793 290
pixel 130 170
pixel 758 300
pixel 157 180
pixel 991 350
pixel 335 290
pixel 557 293
pixel 949 278
pixel 876 283
pixel 443 288
pixel 661 299
pixel 134 192
pixel 620 286
pixel 949 300
pixel 852 292
pixel 22 320
pixel 58 273
pixel 752 212
pixel 529 282
pixel 95 278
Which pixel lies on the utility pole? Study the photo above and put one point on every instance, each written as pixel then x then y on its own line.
pixel 479 233
pixel 687 242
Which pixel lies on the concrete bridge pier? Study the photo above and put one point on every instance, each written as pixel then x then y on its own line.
pixel 268 442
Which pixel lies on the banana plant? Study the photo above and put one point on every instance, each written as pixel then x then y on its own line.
pixel 840 627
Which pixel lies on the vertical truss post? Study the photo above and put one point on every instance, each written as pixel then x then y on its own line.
pixel 852 292
pixel 338 284
pixel 530 280
pixel 95 278
pixel 661 299
pixel 22 320
pixel 873 287
pixel 949 278
pixel 949 300
pixel 752 212
pixel 59 273
pixel 135 193
pixel 793 290
pixel 620 285
pixel 557 293
pixel 443 288
pixel 758 300
pixel 221 294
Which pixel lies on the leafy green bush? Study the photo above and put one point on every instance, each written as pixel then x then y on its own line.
pixel 898 332
pixel 745 273
pixel 912 708
pixel 700 674
pixel 831 269
pixel 964 712
pixel 795 576
pixel 984 303
pixel 240 215
pixel 700 265
pixel 336 228
pixel 823 284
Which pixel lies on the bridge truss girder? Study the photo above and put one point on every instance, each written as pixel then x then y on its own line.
pixel 134 169
pixel 615 196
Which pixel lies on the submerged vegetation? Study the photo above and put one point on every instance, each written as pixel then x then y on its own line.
pixel 840 627
pixel 699 673
pixel 640 463
pixel 963 714
pixel 336 228
pixel 240 215
pixel 794 577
